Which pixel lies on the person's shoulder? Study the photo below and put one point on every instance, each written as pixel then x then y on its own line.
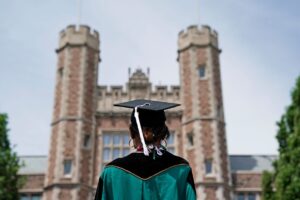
pixel 123 160
pixel 118 163
pixel 145 166
pixel 169 157
pixel 140 158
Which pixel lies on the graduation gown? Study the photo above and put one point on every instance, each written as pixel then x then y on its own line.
pixel 140 177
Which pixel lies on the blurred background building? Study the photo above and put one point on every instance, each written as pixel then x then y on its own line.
pixel 88 131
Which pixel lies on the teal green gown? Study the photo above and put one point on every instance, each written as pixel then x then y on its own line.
pixel 140 177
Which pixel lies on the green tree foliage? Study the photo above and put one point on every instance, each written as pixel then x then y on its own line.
pixel 267 186
pixel 9 165
pixel 286 176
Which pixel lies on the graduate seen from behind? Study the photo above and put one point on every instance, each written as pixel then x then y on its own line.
pixel 151 172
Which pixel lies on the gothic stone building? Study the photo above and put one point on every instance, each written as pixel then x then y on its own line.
pixel 87 131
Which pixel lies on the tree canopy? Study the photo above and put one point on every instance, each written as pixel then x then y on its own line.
pixel 10 182
pixel 284 182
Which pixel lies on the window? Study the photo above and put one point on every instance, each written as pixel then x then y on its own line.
pixel 125 152
pixel 241 196
pixel 116 153
pixel 126 139
pixel 36 197
pixel 25 197
pixel 106 154
pixel 29 196
pixel 67 167
pixel 245 196
pixel 87 141
pixel 106 139
pixel 171 143
pixel 251 196
pixel 201 71
pixel 117 139
pixel 115 145
pixel 190 138
pixel 170 140
pixel 208 166
pixel 219 111
pixel 61 72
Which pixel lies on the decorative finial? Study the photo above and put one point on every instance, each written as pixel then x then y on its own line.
pixel 129 72
pixel 148 72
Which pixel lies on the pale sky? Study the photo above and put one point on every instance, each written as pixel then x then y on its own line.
pixel 259 61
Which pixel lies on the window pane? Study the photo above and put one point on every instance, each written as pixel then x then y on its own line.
pixel 170 140
pixel 116 153
pixel 241 197
pixel 208 166
pixel 251 196
pixel 36 197
pixel 201 71
pixel 106 154
pixel 190 139
pixel 61 71
pixel 86 141
pixel 67 167
pixel 125 151
pixel 125 139
pixel 107 139
pixel 117 139
pixel 25 197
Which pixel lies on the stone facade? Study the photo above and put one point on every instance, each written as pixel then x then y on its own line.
pixel 70 172
pixel 203 119
pixel 84 116
pixel 115 119
pixel 34 183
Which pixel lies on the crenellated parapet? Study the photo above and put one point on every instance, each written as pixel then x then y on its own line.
pixel 119 91
pixel 195 36
pixel 163 91
pixel 108 95
pixel 82 35
pixel 113 90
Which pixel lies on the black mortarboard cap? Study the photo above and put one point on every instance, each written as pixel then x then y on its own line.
pixel 151 113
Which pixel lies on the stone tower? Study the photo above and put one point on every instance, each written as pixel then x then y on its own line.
pixel 69 174
pixel 203 123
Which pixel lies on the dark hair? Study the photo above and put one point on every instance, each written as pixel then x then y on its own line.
pixel 157 133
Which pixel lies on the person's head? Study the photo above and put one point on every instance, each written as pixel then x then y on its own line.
pixel 148 122
pixel 153 127
pixel 152 135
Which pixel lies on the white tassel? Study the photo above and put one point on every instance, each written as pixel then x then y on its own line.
pixel 158 151
pixel 136 115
